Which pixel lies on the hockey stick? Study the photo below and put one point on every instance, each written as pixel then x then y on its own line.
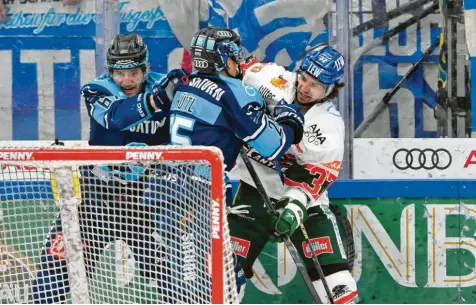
pixel 364 125
pixel 379 21
pixel 317 265
pixel 396 12
pixel 349 236
pixel 394 31
pixel 287 241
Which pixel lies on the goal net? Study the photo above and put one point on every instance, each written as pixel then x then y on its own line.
pixel 114 225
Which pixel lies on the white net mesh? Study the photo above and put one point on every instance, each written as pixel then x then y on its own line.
pixel 114 231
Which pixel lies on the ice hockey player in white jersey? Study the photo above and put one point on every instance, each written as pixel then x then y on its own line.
pixel 307 170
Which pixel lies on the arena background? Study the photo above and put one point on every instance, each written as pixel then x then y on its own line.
pixel 48 51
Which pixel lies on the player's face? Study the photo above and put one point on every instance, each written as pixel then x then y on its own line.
pixel 130 80
pixel 309 89
pixel 232 67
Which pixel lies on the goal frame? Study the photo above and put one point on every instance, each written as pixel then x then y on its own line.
pixel 82 155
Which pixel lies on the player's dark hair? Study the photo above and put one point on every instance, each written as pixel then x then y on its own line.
pixel 335 91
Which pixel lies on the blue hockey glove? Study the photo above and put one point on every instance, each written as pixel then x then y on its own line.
pixel 291 116
pixel 164 89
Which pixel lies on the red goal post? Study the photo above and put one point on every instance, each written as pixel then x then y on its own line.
pixel 219 267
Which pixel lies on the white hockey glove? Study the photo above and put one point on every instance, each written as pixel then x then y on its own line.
pixel 292 212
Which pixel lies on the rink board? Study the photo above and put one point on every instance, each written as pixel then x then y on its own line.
pixel 394 236
pixel 415 243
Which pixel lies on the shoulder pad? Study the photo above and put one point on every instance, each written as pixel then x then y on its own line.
pixel 154 77
pixel 274 82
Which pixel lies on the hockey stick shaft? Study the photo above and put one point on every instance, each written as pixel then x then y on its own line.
pixel 317 265
pixel 394 31
pixel 382 20
pixel 382 105
pixel 379 21
pixel 287 241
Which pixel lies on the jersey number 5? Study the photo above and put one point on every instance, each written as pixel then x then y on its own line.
pixel 178 122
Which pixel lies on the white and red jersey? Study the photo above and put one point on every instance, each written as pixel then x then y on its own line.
pixel 319 154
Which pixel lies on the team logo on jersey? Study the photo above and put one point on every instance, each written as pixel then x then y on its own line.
pixel 314 135
pixel 320 245
pixel 279 82
pixel 240 246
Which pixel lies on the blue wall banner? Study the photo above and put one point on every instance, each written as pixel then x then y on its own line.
pixel 47 51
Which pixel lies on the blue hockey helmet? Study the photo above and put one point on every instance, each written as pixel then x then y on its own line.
pixel 127 52
pixel 211 47
pixel 325 64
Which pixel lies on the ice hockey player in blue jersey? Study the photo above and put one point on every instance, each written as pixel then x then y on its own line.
pixel 122 103
pixel 128 106
pixel 215 108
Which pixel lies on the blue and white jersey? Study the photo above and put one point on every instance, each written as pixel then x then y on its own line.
pixel 215 110
pixel 117 120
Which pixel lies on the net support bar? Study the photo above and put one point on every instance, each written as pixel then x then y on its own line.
pixel 72 237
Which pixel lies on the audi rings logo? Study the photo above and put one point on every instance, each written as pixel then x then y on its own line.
pixel 224 34
pixel 200 63
pixel 422 158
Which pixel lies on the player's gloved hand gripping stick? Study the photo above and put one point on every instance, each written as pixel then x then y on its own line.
pixel 287 240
